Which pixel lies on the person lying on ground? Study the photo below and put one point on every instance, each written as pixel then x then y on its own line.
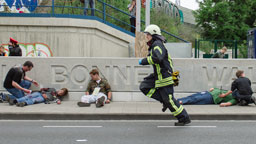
pixel 213 96
pixel 46 95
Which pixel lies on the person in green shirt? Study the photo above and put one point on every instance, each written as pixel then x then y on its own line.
pixel 213 96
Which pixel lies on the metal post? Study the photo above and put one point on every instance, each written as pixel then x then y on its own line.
pixel 138 7
pixel 235 49
pixel 198 45
pixel 52 7
pixel 215 46
pixel 196 48
pixel 233 53
pixel 104 11
pixel 147 12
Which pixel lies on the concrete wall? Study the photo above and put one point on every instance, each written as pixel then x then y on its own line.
pixel 179 50
pixel 125 75
pixel 68 37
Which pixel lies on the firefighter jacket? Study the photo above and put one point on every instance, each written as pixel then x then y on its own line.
pixel 161 61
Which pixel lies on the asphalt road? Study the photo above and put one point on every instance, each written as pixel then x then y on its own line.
pixel 126 132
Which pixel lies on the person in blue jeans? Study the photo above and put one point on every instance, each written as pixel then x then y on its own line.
pixel 88 3
pixel 213 96
pixel 46 95
pixel 17 83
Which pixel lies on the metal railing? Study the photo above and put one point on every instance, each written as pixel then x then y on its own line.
pixel 230 43
pixel 101 15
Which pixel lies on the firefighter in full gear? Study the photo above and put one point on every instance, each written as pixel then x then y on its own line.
pixel 159 85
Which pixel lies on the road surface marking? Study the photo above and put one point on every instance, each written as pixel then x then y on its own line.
pixel 72 126
pixel 82 140
pixel 187 126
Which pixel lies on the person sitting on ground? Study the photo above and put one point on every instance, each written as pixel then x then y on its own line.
pixel 221 53
pixel 46 95
pixel 14 48
pixel 241 90
pixel 213 96
pixel 2 53
pixel 98 90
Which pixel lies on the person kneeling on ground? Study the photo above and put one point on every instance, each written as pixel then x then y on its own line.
pixel 46 95
pixel 98 90
pixel 241 90
pixel 213 96
pixel 17 83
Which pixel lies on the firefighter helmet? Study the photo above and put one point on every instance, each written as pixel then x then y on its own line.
pixel 153 29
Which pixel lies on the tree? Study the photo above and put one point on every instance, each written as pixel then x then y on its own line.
pixel 225 19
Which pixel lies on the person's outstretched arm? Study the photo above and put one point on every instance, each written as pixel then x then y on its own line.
pixel 229 103
pixel 226 104
pixel 30 79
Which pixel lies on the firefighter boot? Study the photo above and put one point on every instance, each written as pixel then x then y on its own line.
pixel 183 121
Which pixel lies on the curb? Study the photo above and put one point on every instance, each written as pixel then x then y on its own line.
pixel 58 116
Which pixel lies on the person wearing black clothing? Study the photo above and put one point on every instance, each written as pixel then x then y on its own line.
pixel 159 85
pixel 14 48
pixel 241 89
pixel 16 82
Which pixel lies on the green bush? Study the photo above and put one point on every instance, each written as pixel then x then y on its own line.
pixel 242 50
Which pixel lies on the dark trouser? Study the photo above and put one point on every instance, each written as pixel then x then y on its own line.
pixel 242 98
pixel 200 98
pixel 133 21
pixel 165 96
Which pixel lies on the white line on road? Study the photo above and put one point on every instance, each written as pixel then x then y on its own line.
pixel 72 126
pixel 187 126
pixel 82 140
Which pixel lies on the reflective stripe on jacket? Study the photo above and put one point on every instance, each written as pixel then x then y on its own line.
pixel 161 61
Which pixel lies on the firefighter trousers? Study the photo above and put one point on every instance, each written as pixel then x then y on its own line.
pixel 165 96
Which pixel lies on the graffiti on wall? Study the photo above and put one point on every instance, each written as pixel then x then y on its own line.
pixel 169 8
pixel 33 50
pixel 18 6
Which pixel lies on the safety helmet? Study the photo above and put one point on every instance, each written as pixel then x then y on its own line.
pixel 153 29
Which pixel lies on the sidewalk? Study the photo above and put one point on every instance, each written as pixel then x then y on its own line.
pixel 69 110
